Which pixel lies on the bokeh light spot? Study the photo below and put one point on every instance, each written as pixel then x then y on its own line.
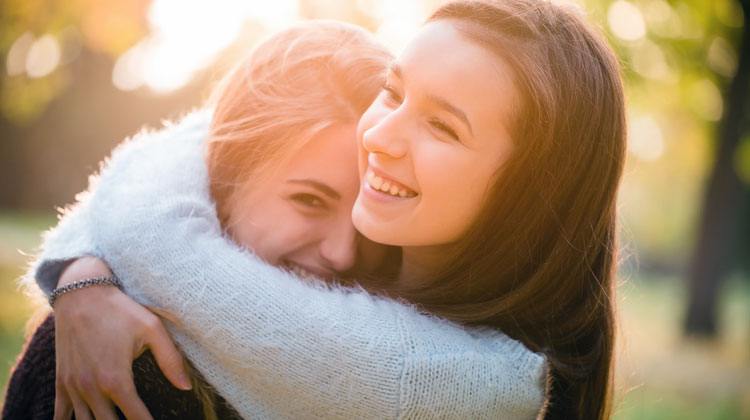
pixel 722 57
pixel 43 56
pixel 649 61
pixel 645 138
pixel 15 62
pixel 705 99
pixel 127 74
pixel 626 21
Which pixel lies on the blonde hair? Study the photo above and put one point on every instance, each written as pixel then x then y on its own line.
pixel 294 84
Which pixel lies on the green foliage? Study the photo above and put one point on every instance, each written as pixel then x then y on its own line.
pixel 676 76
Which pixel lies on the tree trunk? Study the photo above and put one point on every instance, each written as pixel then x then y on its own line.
pixel 711 260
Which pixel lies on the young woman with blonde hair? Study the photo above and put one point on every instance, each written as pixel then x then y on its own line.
pixel 284 118
pixel 504 207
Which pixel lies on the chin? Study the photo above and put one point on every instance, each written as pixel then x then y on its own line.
pixel 374 230
pixel 393 234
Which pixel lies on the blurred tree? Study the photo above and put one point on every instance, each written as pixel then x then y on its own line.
pixel 39 39
pixel 47 49
pixel 722 206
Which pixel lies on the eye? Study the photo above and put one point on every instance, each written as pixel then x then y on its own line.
pixel 310 201
pixel 444 128
pixel 391 95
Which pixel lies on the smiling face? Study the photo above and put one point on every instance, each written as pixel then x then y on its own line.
pixel 300 216
pixel 433 140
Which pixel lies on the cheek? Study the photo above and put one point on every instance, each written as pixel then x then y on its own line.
pixel 454 184
pixel 258 228
pixel 246 232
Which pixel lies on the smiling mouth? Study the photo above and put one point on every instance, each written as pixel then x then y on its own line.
pixel 388 186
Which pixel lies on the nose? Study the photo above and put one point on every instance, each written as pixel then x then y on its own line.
pixel 388 135
pixel 339 248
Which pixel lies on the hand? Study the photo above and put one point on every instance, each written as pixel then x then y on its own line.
pixel 99 331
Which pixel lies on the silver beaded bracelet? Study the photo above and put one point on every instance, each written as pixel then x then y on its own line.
pixel 95 281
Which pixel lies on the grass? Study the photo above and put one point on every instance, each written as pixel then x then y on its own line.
pixel 660 375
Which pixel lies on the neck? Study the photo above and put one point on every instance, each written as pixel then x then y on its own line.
pixel 419 262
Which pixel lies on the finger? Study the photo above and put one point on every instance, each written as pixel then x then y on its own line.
pixel 63 406
pixel 100 406
pixel 80 409
pixel 167 356
pixel 130 403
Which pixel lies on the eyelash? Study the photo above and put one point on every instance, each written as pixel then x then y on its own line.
pixel 444 128
pixel 308 200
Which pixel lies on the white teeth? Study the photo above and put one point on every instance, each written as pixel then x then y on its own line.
pixel 375 181
pixel 299 271
pixel 387 187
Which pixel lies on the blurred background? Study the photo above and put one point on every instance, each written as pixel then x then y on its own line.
pixel 77 76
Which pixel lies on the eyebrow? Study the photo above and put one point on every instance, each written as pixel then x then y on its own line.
pixel 321 187
pixel 441 102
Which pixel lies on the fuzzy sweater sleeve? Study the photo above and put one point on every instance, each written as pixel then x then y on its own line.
pixel 275 346
pixel 72 238
pixel 61 245
pixel 278 347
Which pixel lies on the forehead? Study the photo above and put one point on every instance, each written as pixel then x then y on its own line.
pixel 330 156
pixel 444 62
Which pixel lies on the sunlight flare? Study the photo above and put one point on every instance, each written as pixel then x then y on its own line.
pixel 187 36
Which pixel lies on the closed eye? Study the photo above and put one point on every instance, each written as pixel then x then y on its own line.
pixel 391 94
pixel 444 128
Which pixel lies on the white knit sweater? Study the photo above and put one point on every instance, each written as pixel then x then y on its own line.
pixel 273 345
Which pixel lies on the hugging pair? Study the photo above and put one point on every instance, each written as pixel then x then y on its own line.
pixel 343 234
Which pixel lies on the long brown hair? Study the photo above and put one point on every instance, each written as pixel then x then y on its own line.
pixel 539 262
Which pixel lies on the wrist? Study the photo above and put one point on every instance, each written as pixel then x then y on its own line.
pixel 82 284
pixel 84 267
